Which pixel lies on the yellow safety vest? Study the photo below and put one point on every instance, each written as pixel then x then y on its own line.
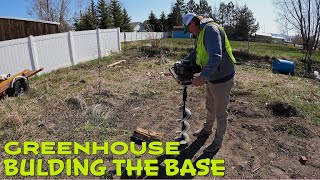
pixel 202 55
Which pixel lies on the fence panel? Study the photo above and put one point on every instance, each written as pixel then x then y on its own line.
pixel 53 51
pixel 109 41
pixel 137 36
pixel 65 49
pixel 85 45
pixel 122 36
pixel 14 56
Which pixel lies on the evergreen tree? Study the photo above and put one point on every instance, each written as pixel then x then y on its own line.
pixel 227 14
pixel 92 19
pixel 169 21
pixel 222 13
pixel 116 13
pixel 226 17
pixel 88 21
pixel 85 22
pixel 103 14
pixel 93 15
pixel 204 9
pixel 245 23
pixel 191 6
pixel 126 20
pixel 176 14
pixel 163 22
pixel 78 23
pixel 153 22
pixel 181 6
pixel 230 14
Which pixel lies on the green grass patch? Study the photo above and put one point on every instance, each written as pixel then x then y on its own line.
pixel 289 52
pixel 268 87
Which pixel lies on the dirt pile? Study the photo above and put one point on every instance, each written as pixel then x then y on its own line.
pixel 282 109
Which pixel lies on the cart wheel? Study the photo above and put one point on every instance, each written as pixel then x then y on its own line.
pixel 20 87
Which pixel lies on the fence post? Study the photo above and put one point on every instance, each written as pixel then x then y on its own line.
pixel 71 48
pixel 99 43
pixel 119 42
pixel 33 53
pixel 124 40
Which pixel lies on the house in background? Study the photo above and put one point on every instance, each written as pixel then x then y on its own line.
pixel 137 26
pixel 272 38
pixel 177 32
pixel 281 38
pixel 14 28
pixel 262 37
pixel 278 40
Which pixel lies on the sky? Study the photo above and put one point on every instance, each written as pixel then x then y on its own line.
pixel 139 10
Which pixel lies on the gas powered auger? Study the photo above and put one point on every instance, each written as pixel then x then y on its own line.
pixel 183 72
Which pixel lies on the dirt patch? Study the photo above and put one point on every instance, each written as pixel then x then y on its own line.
pixel 74 103
pixel 247 112
pixel 282 109
pixel 240 93
pixel 294 129
pixel 244 110
pixel 252 127
pixel 251 59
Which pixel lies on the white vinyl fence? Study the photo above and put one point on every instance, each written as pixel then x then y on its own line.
pixel 64 49
pixel 136 36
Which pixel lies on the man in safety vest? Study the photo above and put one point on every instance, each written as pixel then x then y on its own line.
pixel 214 55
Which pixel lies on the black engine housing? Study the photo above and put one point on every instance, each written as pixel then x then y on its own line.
pixel 185 70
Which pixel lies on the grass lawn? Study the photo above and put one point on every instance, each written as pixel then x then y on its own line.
pixel 289 52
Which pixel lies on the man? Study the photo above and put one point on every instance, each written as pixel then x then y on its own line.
pixel 214 55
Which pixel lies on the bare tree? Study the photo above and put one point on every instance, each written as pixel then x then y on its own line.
pixel 51 10
pixel 64 15
pixel 304 16
pixel 79 5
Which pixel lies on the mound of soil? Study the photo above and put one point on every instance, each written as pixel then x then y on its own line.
pixel 282 109
pixel 73 103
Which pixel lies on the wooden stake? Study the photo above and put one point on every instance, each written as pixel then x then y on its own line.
pixel 113 64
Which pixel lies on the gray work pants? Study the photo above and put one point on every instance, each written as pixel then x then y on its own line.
pixel 217 100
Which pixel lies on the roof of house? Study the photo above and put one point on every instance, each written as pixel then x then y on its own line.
pixel 30 20
pixel 278 37
pixel 263 34
pixel 134 24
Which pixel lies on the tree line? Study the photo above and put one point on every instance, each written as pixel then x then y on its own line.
pixel 238 21
pixel 103 15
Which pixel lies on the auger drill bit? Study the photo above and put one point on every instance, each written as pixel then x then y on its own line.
pixel 185 125
pixel 183 137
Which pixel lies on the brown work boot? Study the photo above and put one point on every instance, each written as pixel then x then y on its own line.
pixel 201 132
